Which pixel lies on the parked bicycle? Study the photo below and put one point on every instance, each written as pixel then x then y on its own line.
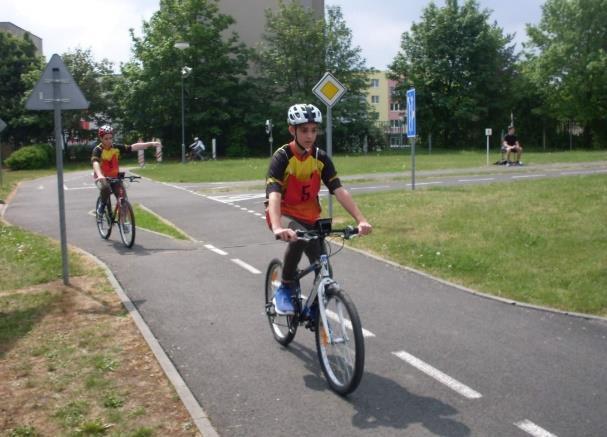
pixel 122 213
pixel 328 311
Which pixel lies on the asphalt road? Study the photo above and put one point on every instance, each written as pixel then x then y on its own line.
pixel 439 360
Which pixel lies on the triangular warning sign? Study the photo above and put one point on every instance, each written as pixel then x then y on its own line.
pixel 69 94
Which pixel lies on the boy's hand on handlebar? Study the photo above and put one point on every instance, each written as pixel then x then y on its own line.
pixel 364 228
pixel 285 234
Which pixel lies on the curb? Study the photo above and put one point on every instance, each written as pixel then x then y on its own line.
pixel 199 416
pixel 478 293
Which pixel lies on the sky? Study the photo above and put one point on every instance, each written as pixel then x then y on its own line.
pixel 103 25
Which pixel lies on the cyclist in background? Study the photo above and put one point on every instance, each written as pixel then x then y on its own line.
pixel 292 186
pixel 105 159
pixel 197 149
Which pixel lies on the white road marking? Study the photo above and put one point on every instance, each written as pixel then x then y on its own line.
pixel 581 172
pixel 452 383
pixel 476 180
pixel 370 188
pixel 531 428
pixel 78 188
pixel 245 266
pixel 214 249
pixel 428 183
pixel 529 176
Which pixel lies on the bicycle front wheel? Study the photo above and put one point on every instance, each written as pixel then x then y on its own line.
pixel 283 327
pixel 126 224
pixel 104 221
pixel 340 344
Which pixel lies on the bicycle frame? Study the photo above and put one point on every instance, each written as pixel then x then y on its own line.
pixel 328 311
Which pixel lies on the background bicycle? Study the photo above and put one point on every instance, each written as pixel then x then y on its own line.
pixel 122 213
pixel 327 311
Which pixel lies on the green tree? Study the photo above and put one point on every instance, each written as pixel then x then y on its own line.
pixel 20 68
pixel 461 67
pixel 216 90
pixel 95 81
pixel 568 63
pixel 297 50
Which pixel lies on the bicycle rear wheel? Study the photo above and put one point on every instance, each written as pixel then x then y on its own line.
pixel 126 224
pixel 342 351
pixel 283 328
pixel 104 223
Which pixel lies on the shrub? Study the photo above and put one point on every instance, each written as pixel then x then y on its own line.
pixel 31 157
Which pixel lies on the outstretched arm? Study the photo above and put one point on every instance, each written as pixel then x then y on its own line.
pixel 346 200
pixel 140 146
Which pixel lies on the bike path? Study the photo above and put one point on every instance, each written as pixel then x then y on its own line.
pixel 207 313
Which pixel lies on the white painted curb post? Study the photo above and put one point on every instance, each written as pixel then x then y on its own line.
pixel 158 150
pixel 140 157
pixel 214 142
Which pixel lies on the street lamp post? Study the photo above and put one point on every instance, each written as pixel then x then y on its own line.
pixel 184 73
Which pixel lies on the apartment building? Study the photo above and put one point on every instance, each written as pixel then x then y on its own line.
pixel 251 19
pixel 6 26
pixel 391 113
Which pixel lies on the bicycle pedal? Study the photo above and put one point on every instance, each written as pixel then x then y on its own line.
pixel 270 311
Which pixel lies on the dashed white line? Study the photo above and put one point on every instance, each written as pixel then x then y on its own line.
pixel 528 176
pixel 429 183
pixel 452 383
pixel 214 249
pixel 531 428
pixel 370 188
pixel 245 266
pixel 476 180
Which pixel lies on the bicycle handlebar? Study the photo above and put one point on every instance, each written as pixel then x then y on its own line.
pixel 313 234
pixel 122 177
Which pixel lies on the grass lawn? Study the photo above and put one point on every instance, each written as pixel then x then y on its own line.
pixel 64 369
pixel 542 242
pixel 256 168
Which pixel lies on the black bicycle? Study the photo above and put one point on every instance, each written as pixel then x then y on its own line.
pixel 328 311
pixel 122 213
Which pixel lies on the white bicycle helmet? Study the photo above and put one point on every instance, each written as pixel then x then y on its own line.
pixel 104 130
pixel 303 113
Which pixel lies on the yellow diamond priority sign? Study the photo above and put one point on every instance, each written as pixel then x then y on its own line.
pixel 329 89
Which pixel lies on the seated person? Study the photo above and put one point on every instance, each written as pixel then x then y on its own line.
pixel 511 145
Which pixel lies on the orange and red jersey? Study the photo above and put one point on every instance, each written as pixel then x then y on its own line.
pixel 109 158
pixel 297 177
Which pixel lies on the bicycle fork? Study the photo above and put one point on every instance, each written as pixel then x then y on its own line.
pixel 325 282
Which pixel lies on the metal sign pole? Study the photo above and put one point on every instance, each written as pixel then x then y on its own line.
pixel 57 82
pixel 329 90
pixel 2 126
pixel 330 150
pixel 412 130
pixel 59 156
pixel 488 133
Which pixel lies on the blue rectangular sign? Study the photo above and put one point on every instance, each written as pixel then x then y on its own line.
pixel 411 113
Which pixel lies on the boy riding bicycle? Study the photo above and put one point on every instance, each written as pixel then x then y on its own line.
pixel 105 159
pixel 292 188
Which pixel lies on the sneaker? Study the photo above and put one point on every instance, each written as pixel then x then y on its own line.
pixel 101 209
pixel 283 302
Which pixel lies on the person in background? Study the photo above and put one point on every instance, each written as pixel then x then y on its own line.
pixel 511 146
pixel 105 159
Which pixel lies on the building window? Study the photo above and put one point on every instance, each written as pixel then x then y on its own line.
pixel 394 106
pixel 395 123
pixel 374 99
pixel 374 83
pixel 396 141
